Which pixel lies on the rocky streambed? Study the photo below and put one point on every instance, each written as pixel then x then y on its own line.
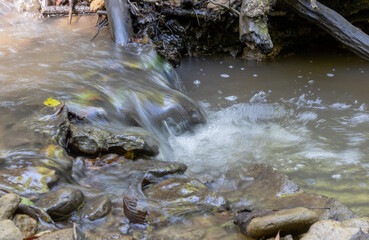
pixel 101 183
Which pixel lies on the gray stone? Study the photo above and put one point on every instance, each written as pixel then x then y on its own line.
pixel 334 230
pixel 61 203
pixel 8 231
pixel 27 225
pixel 8 205
pixel 96 208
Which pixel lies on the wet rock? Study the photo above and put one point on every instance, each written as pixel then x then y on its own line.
pixel 295 221
pixel 57 158
pixel 31 180
pixel 64 234
pixel 334 230
pixel 184 195
pixel 61 203
pixel 8 204
pixel 96 208
pixel 27 225
pixel 8 231
pixel 156 168
pixel 91 141
pixel 261 187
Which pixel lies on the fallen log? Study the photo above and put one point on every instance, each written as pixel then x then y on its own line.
pixel 64 10
pixel 334 24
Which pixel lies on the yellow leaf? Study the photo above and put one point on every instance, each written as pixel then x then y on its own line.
pixel 52 102
pixel 129 154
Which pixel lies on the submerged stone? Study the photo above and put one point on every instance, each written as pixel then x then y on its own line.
pixel 179 196
pixel 8 205
pixel 261 187
pixel 156 168
pixel 31 180
pixel 96 208
pixel 61 203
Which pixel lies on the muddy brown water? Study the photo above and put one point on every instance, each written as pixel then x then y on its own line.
pixel 304 115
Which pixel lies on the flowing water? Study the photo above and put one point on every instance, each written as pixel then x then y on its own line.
pixel 304 115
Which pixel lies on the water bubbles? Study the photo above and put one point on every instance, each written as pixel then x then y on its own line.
pixel 337 176
pixel 311 81
pixel 196 82
pixel 330 75
pixel 231 98
pixel 255 75
pixel 223 75
pixel 299 76
pixel 43 65
pixel 220 91
pixel 230 66
pixel 242 69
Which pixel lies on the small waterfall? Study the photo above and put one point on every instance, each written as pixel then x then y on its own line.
pixel 120 23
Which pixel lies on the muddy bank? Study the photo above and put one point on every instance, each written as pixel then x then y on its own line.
pixel 247 29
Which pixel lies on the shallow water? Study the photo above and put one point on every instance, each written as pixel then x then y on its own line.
pixel 306 116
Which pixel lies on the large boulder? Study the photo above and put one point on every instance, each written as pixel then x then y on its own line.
pixel 61 203
pixel 8 204
pixel 83 139
pixel 353 229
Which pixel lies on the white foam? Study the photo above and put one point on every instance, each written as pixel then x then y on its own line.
pixel 231 98
pixel 223 75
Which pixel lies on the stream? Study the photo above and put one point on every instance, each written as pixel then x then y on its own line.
pixel 305 115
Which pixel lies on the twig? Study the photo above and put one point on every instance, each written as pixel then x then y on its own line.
pixel 197 17
pixel 70 11
pixel 227 7
pixel 103 23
